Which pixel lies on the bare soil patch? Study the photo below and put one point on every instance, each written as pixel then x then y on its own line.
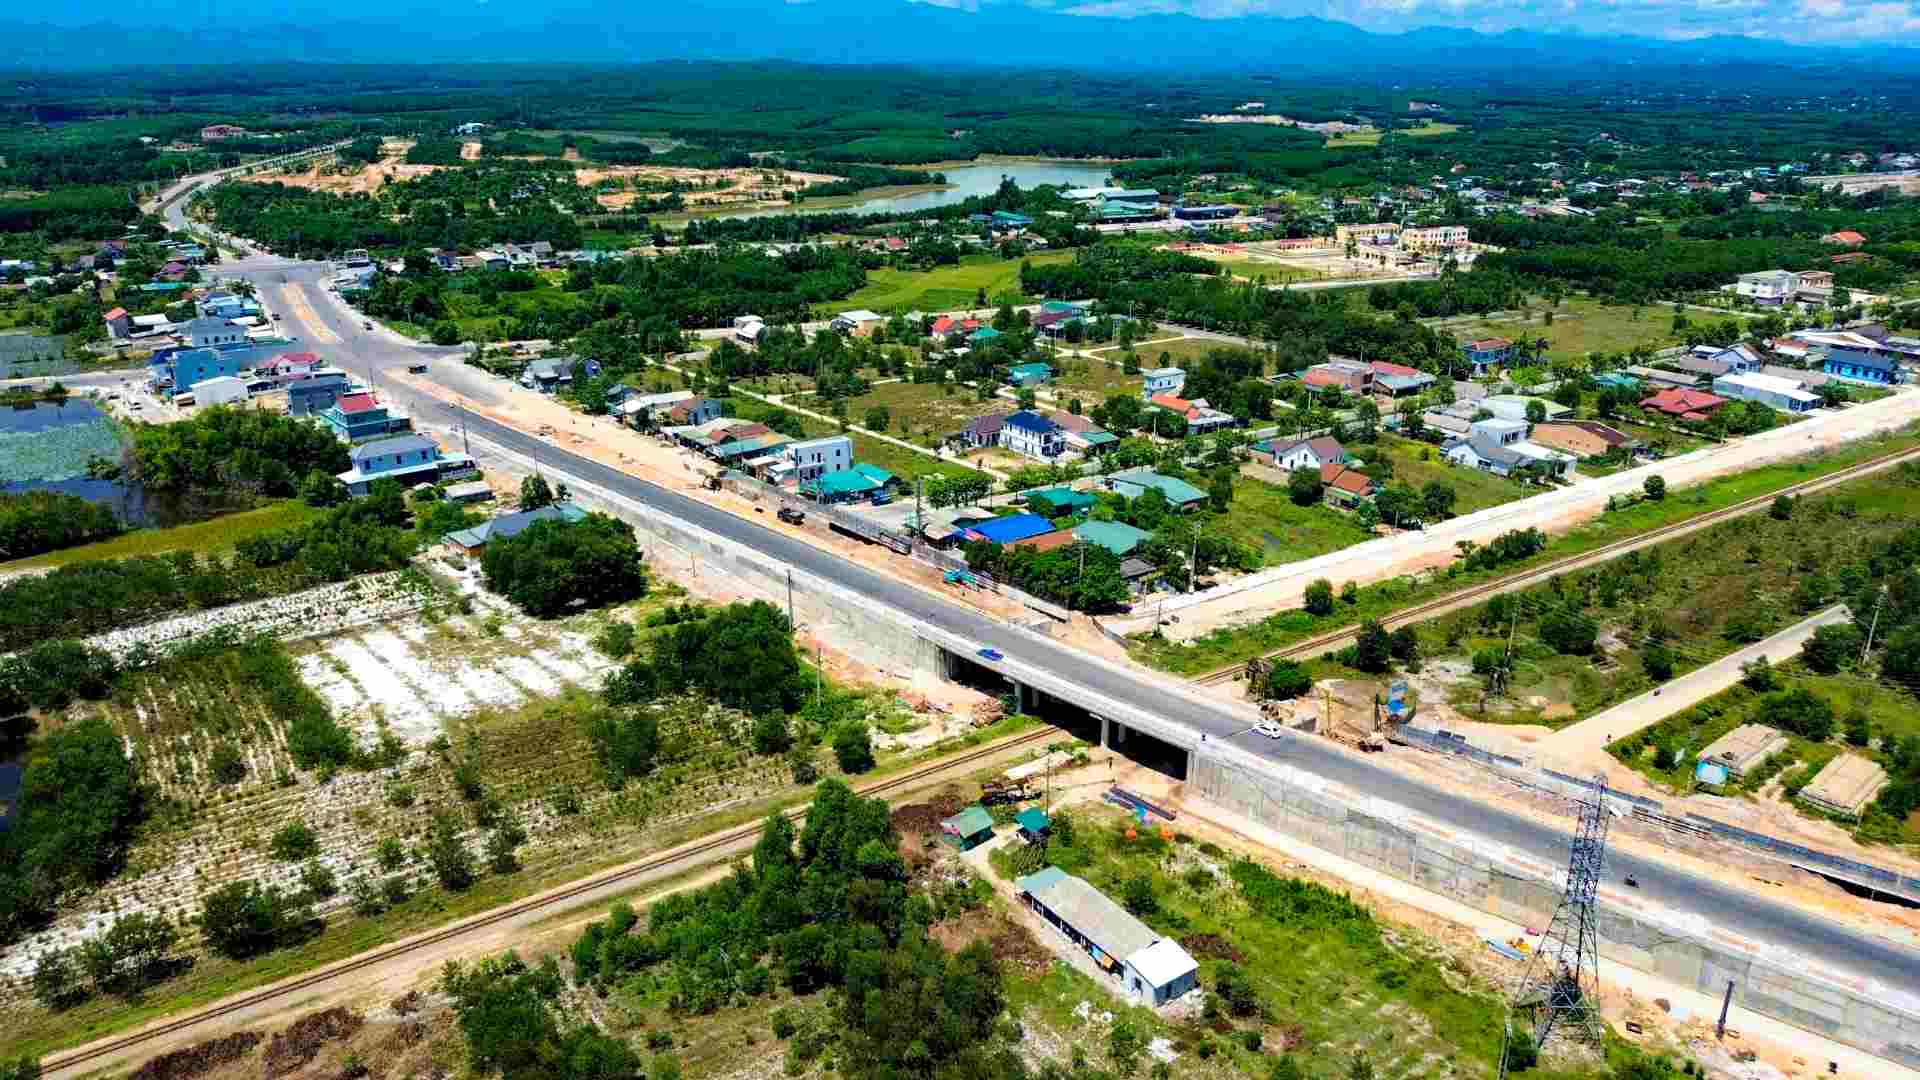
pixel 303 1040
pixel 199 1059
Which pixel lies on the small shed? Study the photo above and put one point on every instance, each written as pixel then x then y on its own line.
pixel 219 390
pixel 1744 749
pixel 1034 824
pixel 1846 785
pixel 470 491
pixel 968 829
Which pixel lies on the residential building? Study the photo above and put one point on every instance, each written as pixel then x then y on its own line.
pixel 1661 379
pixel 1787 395
pixel 1309 453
pixel 119 324
pixel 1027 432
pixel 1683 403
pixel 1164 380
pixel 986 335
pixel 982 431
pixel 1082 434
pixel 1768 287
pixel 1024 375
pixel 694 411
pixel 1201 417
pixel 968 829
pixel 206 331
pixel 1062 501
pixel 1398 380
pixel 1476 452
pixel 219 390
pixel 1486 354
pixel 1150 969
pixel 1743 749
pixel 1584 438
pixel 1134 483
pixel 1052 541
pixel 1434 238
pixel 1007 529
pixel 317 392
pixel 408 459
pixel 860 481
pixel 1345 486
pixel 749 332
pixel 471 541
pixel 860 323
pixel 1861 367
pixel 1542 460
pixel 1349 375
pixel 813 458
pixel 217 132
pixel 358 416
pixel 1499 430
pixel 1515 406
pixel 1844 238
pixel 1116 536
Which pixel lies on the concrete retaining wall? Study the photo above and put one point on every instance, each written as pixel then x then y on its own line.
pixel 1879 1019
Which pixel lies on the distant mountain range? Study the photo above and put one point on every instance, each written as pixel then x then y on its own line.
pixel 72 34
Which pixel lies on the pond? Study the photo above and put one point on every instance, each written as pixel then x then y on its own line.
pixel 966 181
pixel 46 446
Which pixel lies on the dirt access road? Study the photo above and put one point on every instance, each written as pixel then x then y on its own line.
pixel 1254 597
pixel 390 970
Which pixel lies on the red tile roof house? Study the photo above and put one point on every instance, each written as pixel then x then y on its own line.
pixel 1345 485
pixel 119 324
pixel 1685 404
pixel 1345 374
pixel 1845 238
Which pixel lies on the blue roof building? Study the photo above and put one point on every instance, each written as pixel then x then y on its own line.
pixel 409 459
pixel 1008 530
pixel 510 525
pixel 1855 365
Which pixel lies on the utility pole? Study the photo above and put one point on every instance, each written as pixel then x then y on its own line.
pixel 1878 602
pixel 790 622
pixel 1193 564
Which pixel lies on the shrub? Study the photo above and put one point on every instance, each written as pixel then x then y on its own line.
pixel 447 853
pixel 318 879
pixel 1288 679
pixel 294 842
pixel 853 747
pixel 226 765
pixel 244 918
pixel 1235 989
pixel 1319 597
pixel 1569 632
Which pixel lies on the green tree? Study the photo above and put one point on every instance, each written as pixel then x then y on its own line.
pixel 853 747
pixel 1831 647
pixel 535 492
pixel 244 918
pixel 1655 486
pixel 1800 711
pixel 1657 660
pixel 1304 487
pixel 878 418
pixel 1782 508
pixel 1437 499
pixel 1569 632
pixel 1319 597
pixel 770 734
pixel 449 855
pixel 1372 647
pixel 294 842
pixel 1288 679
pixel 554 566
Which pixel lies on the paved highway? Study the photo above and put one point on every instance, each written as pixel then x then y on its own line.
pixel 318 317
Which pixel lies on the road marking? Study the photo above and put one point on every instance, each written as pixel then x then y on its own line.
pixel 304 314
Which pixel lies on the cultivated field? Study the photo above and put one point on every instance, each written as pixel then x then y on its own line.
pixel 1580 325
pixel 944 288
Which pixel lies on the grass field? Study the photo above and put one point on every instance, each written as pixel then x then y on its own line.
pixel 1275 272
pixel 943 288
pixel 1323 975
pixel 1372 138
pixel 1580 325
pixel 898 460
pixel 1415 464
pixel 1264 518
pixel 1091 380
pixel 202 536
pixel 1381 599
pixel 1177 352
pixel 919 411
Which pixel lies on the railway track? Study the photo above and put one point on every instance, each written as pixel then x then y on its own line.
pixel 1334 639
pixel 512 911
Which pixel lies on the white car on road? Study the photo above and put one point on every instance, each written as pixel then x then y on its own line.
pixel 1268 728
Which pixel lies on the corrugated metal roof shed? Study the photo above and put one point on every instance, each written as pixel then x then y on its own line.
pixel 1095 916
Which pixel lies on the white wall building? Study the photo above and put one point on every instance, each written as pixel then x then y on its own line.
pixel 1768 286
pixel 814 458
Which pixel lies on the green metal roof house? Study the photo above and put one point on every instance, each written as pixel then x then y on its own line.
pixel 1064 499
pixel 968 829
pixel 1116 536
pixel 1033 823
pixel 1029 374
pixel 984 335
pixel 1134 483
pixel 862 479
